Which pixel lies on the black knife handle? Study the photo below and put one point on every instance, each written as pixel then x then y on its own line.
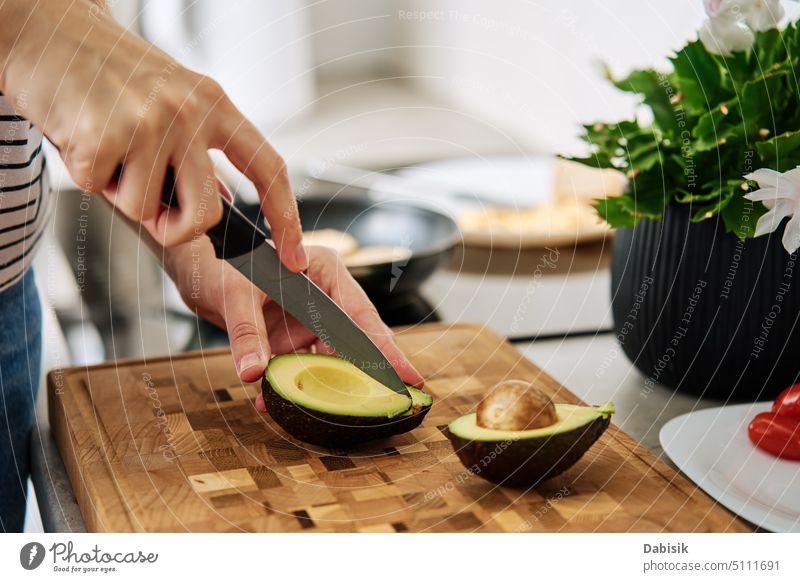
pixel 234 235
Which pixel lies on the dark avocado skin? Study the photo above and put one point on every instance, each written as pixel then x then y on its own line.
pixel 525 463
pixel 332 430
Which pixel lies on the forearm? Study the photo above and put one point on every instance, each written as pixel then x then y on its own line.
pixel 189 265
pixel 15 15
pixel 60 60
pixel 27 30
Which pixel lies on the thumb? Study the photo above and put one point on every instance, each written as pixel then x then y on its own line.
pixel 247 332
pixel 405 369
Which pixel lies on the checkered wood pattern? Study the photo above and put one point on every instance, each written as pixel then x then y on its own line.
pixel 177 445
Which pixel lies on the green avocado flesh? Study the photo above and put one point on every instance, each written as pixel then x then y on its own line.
pixel 332 385
pixel 328 401
pixel 527 457
pixel 570 417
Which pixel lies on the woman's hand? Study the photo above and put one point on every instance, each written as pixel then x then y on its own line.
pixel 106 97
pixel 257 327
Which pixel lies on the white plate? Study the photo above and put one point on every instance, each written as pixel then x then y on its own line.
pixel 711 447
pixel 473 183
pixel 499 193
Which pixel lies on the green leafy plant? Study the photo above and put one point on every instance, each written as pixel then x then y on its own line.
pixel 714 119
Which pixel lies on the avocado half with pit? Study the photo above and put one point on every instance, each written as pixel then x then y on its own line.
pixel 524 458
pixel 327 401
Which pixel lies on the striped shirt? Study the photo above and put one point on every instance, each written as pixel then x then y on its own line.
pixel 23 194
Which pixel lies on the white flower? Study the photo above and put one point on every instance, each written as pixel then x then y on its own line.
pixel 780 193
pixel 763 14
pixel 731 23
pixel 723 35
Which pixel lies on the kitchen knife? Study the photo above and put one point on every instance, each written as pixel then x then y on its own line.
pixel 245 246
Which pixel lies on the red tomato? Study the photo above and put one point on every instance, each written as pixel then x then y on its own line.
pixel 788 402
pixel 776 434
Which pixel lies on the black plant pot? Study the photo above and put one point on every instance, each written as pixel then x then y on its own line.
pixel 697 310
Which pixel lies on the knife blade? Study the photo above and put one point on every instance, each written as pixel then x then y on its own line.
pixel 246 247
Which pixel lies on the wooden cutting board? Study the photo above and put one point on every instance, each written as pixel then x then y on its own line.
pixel 176 444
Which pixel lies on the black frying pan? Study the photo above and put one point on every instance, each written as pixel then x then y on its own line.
pixel 429 234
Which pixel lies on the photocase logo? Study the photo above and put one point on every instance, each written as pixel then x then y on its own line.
pixel 31 555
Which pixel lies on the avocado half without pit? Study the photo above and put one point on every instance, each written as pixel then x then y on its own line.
pixel 326 401
pixel 518 437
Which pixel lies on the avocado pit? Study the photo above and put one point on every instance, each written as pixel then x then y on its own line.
pixel 515 405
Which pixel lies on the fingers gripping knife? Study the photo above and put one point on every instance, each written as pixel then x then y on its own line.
pixel 245 246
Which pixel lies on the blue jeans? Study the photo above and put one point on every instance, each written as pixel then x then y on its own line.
pixel 20 362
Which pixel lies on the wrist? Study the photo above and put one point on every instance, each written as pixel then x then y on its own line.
pixel 183 263
pixel 172 257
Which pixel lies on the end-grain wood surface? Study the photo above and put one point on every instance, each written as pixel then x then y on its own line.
pixel 176 444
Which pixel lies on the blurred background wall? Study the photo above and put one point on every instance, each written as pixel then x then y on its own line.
pixel 530 67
